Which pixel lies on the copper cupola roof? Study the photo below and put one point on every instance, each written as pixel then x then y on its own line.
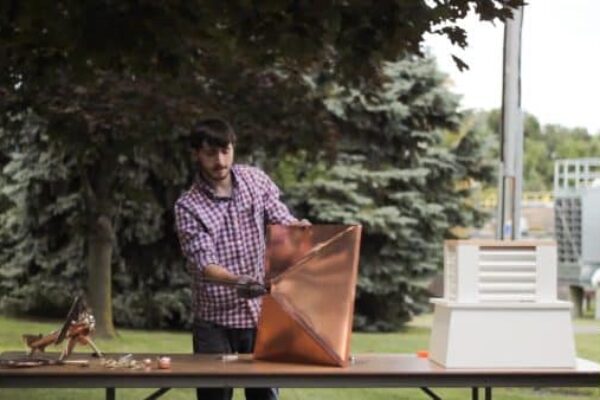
pixel 307 316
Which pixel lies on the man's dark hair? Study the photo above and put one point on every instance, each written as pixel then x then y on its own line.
pixel 213 132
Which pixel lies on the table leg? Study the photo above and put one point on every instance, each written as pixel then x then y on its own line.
pixel 158 393
pixel 474 393
pixel 430 393
pixel 110 394
pixel 488 393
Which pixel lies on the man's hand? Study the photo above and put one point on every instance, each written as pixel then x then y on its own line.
pixel 250 288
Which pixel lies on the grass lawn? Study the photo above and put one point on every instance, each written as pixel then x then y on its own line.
pixel 415 337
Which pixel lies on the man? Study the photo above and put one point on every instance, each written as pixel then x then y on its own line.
pixel 221 223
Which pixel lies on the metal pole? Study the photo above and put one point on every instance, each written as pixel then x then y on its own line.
pixel 511 177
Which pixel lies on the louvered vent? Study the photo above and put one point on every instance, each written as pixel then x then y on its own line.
pixel 568 225
pixel 507 274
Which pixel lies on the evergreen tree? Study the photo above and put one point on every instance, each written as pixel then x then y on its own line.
pixel 43 250
pixel 35 240
pixel 406 176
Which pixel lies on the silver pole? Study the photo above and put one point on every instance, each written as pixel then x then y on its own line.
pixel 511 177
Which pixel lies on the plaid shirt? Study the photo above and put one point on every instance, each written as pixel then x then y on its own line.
pixel 229 232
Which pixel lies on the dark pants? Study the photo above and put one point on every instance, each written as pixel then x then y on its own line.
pixel 212 338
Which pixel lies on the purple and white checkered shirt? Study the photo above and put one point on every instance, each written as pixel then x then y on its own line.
pixel 229 232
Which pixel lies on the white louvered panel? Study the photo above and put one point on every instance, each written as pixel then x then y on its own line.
pixel 506 287
pixel 508 254
pixel 510 265
pixel 507 274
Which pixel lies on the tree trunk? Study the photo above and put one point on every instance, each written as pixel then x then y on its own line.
pixel 100 248
pixel 97 184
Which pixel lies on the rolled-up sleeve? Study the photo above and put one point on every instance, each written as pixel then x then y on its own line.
pixel 196 243
pixel 275 211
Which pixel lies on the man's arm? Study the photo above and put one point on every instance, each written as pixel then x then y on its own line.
pixel 198 247
pixel 247 286
pixel 197 244
pixel 220 273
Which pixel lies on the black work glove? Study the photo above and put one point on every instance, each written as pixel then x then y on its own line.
pixel 250 288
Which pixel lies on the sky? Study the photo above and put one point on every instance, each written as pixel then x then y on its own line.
pixel 560 63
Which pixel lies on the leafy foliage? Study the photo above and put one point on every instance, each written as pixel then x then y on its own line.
pixel 43 235
pixel 115 84
pixel 35 241
pixel 176 37
pixel 543 145
pixel 398 172
pixel 550 143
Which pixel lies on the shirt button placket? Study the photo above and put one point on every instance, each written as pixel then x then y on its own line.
pixel 237 237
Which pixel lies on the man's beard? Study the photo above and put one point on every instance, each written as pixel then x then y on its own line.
pixel 221 174
pixel 216 175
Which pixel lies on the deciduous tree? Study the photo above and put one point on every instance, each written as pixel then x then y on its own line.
pixel 112 79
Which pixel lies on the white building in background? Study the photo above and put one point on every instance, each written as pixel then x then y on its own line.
pixel 577 224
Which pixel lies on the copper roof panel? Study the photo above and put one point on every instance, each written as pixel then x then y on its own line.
pixel 307 317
